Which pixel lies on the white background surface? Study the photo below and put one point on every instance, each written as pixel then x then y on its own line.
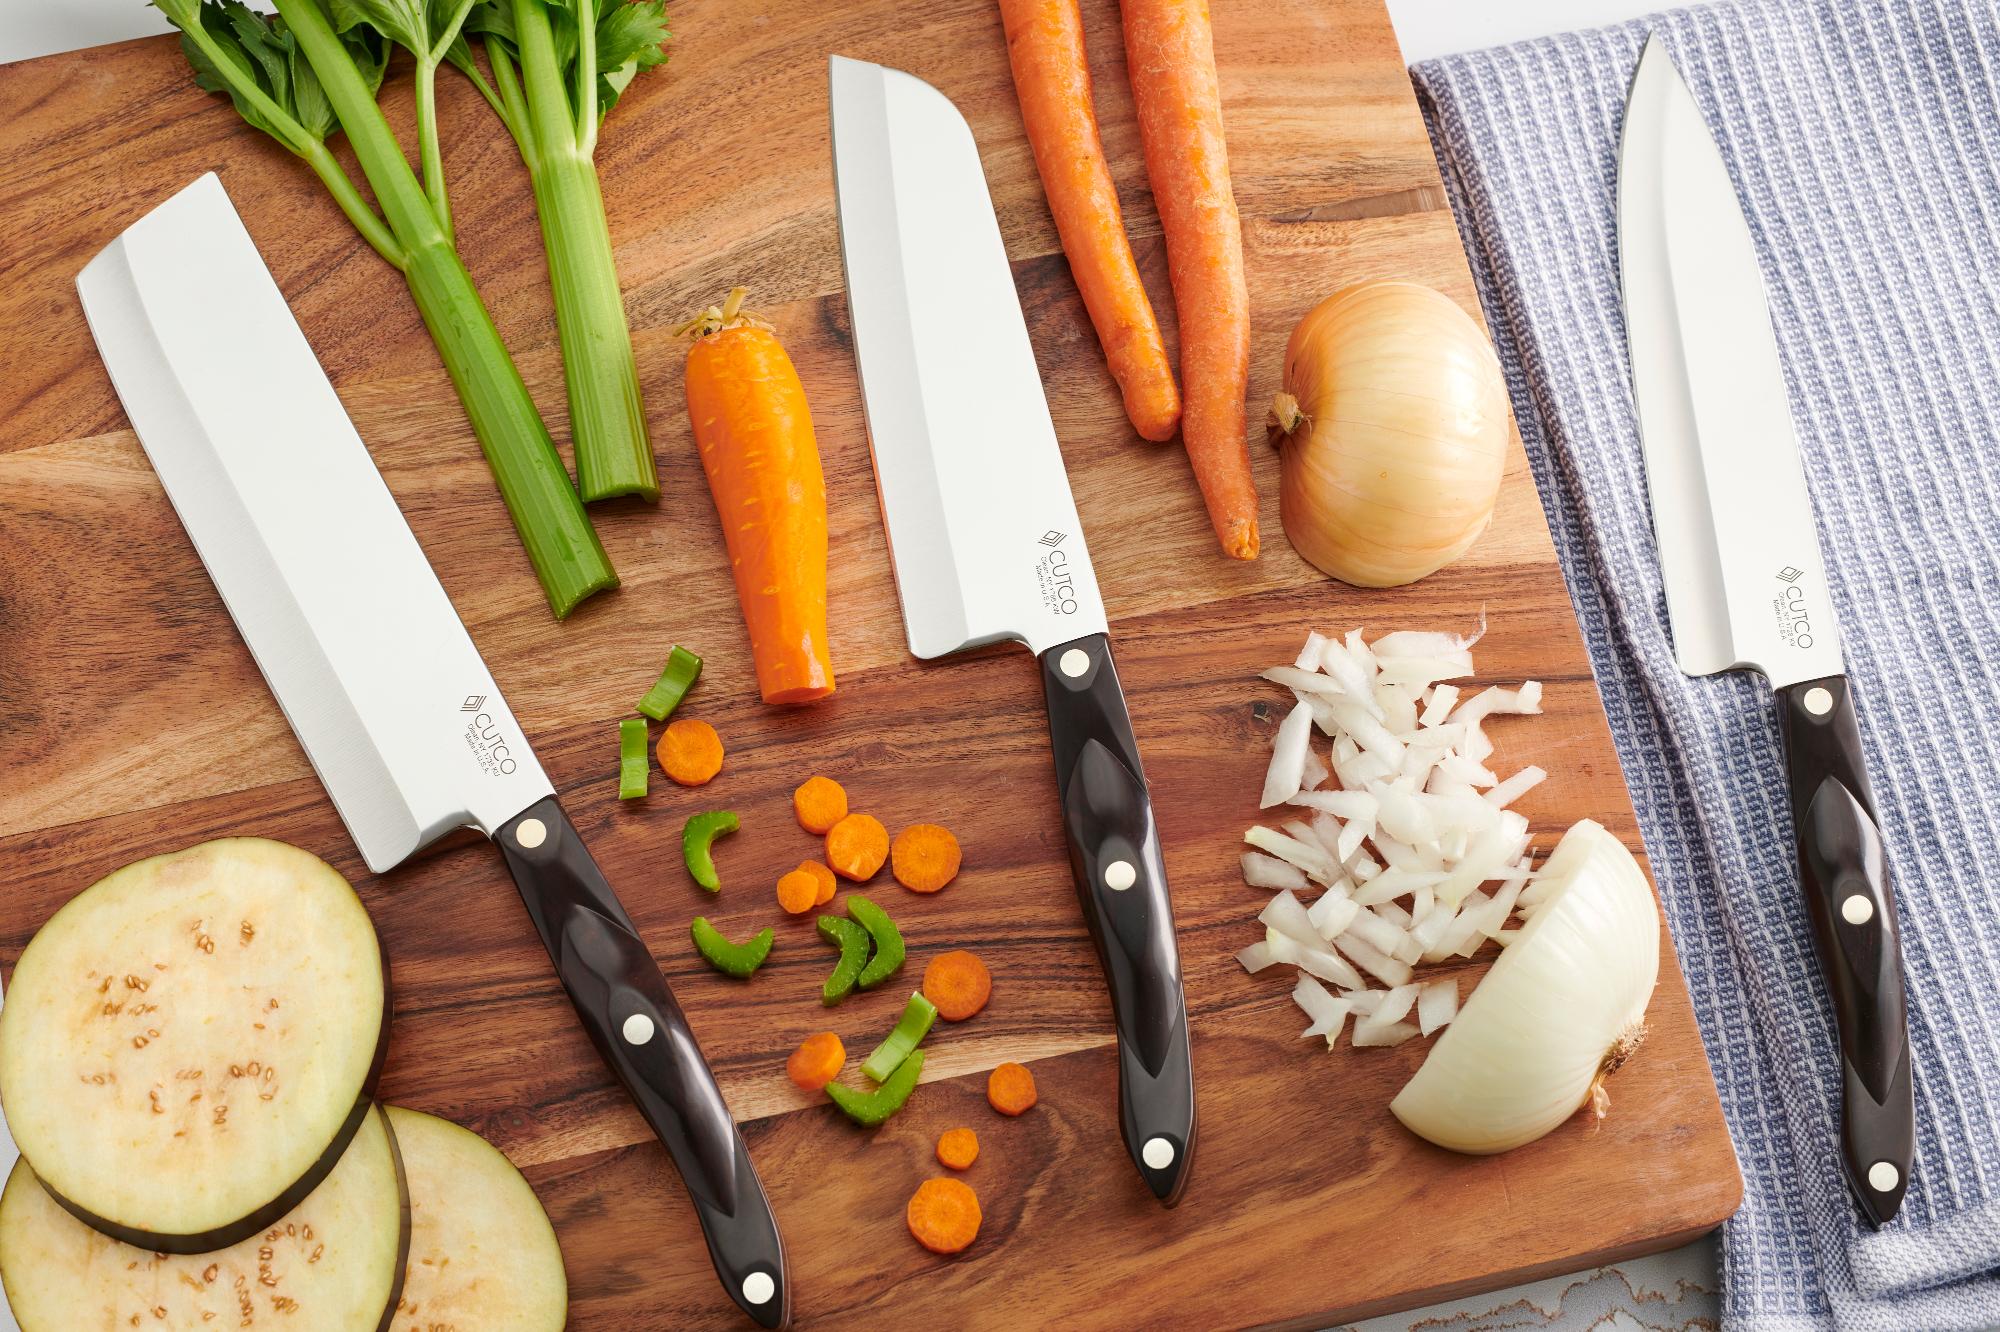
pixel 1425 27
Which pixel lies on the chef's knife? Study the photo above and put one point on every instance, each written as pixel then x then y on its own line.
pixel 984 538
pixel 357 639
pixel 1746 584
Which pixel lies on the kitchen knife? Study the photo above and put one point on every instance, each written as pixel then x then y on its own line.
pixel 371 666
pixel 1746 584
pixel 985 542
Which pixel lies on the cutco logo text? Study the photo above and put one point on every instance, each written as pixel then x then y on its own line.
pixel 1794 619
pixel 489 747
pixel 1052 571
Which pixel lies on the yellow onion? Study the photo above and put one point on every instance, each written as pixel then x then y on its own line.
pixel 1394 430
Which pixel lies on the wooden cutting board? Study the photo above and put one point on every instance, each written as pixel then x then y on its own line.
pixel 132 720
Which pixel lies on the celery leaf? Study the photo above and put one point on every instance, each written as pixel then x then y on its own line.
pixel 263 53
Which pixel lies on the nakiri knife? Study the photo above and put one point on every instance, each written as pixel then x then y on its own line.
pixel 389 697
pixel 1745 580
pixel 984 538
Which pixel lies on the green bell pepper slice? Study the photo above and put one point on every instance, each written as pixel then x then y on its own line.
pixel 698 843
pixel 917 1017
pixel 852 941
pixel 870 1108
pixel 739 960
pixel 667 692
pixel 634 764
pixel 888 940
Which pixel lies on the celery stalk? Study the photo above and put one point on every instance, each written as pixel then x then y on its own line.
pixel 558 66
pixel 299 80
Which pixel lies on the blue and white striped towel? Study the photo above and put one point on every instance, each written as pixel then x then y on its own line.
pixel 1864 139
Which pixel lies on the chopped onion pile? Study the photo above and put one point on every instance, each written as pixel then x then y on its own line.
pixel 1413 850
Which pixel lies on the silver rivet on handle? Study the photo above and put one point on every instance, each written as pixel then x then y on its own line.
pixel 1857 910
pixel 758 1288
pixel 1883 1177
pixel 531 833
pixel 1073 663
pixel 1119 875
pixel 1819 701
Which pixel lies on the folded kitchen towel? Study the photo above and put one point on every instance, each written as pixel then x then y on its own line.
pixel 1864 140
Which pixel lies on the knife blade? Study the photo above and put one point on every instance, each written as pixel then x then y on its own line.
pixel 1745 579
pixel 986 545
pixel 354 634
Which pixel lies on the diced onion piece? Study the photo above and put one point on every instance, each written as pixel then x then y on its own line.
pixel 1405 816
pixel 1399 708
pixel 1286 775
pixel 1328 1013
pixel 1421 672
pixel 1429 930
pixel 1464 927
pixel 1373 960
pixel 1437 1004
pixel 1522 782
pixel 1322 962
pixel 1257 956
pixel 1316 771
pixel 1409 643
pixel 1355 677
pixel 1375 930
pixel 1364 1002
pixel 1502 906
pixel 1304 832
pixel 1396 1004
pixel 1496 701
pixel 1262 871
pixel 1303 681
pixel 1460 768
pixel 1313 652
pixel 1332 914
pixel 1368 731
pixel 1311 858
pixel 1341 804
pixel 1438 705
pixel 1372 1033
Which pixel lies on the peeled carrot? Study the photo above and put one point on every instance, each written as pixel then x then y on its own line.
pixel 798 891
pixel 1170 51
pixel 690 751
pixel 957 984
pixel 925 857
pixel 958 1148
pixel 1052 82
pixel 755 435
pixel 857 846
pixel 820 802
pixel 817 1061
pixel 823 877
pixel 1010 1089
pixel 944 1215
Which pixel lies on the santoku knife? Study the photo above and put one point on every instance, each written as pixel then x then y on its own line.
pixel 357 639
pixel 1746 585
pixel 984 538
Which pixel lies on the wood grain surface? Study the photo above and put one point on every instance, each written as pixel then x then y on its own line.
pixel 133 721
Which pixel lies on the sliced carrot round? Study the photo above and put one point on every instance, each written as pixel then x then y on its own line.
pixel 690 751
pixel 944 1215
pixel 821 876
pixel 798 892
pixel 817 1061
pixel 925 857
pixel 958 1148
pixel 1010 1089
pixel 957 984
pixel 820 802
pixel 856 847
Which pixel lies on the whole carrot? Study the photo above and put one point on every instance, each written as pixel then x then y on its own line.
pixel 1052 81
pixel 755 434
pixel 1170 51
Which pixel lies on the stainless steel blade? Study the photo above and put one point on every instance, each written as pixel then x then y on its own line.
pixel 983 532
pixel 327 585
pixel 1746 585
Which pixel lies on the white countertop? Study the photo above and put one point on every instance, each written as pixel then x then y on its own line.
pixel 1672 1290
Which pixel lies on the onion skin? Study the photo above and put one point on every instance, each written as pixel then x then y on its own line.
pixel 1393 428
pixel 1562 1007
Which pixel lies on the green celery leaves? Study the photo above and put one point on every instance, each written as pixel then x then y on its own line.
pixel 266 54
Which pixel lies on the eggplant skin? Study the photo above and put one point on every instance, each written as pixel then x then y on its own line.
pixel 275 1208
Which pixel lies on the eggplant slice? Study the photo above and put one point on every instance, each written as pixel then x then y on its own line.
pixel 482 1252
pixel 334 1264
pixel 189 1044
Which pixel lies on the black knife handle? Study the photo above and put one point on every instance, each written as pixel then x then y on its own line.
pixel 1845 875
pixel 1114 854
pixel 630 1013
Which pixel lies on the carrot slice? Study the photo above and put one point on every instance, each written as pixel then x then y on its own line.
pixel 817 1061
pixel 820 802
pixel 856 847
pixel 1170 54
pixel 798 891
pixel 925 857
pixel 958 1148
pixel 958 984
pixel 944 1215
pixel 1052 82
pixel 1010 1089
pixel 823 877
pixel 755 435
pixel 690 751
